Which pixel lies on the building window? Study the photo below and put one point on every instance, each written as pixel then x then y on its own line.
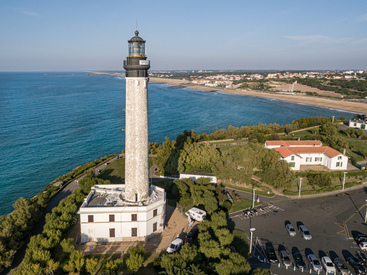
pixel 134 217
pixel 355 124
pixel 337 164
pixel 90 218
pixel 112 218
pixel 134 232
pixel 292 157
pixel 155 212
pixel 292 164
pixel 308 159
pixel 112 232
pixel 339 157
pixel 154 227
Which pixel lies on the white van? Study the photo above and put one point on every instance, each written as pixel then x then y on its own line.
pixel 196 214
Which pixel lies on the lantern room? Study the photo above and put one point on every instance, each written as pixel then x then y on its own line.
pixel 136 46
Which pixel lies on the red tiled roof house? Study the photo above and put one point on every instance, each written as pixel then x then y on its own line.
pixel 308 152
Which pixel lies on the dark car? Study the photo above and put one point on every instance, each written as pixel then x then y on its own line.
pixel 272 256
pixel 356 264
pixel 300 263
pixel 191 236
pixel 360 238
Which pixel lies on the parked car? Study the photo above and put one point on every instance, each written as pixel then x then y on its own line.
pixel 356 264
pixel 363 246
pixel 362 258
pixel 361 238
pixel 285 258
pixel 299 262
pixel 271 253
pixel 314 262
pixel 291 230
pixel 328 265
pixel 341 266
pixel 175 245
pixel 191 235
pixel 305 233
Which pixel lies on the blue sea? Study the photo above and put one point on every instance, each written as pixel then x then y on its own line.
pixel 52 122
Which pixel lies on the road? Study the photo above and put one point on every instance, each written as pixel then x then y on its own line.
pixel 332 220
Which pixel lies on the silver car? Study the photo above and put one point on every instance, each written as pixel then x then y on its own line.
pixel 285 258
pixel 305 233
pixel 291 230
pixel 314 262
pixel 341 266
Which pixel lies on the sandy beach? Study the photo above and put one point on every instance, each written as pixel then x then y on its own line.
pixel 355 107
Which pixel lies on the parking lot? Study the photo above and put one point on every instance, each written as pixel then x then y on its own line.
pixel 332 222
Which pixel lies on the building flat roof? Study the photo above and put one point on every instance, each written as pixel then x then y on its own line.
pixel 113 195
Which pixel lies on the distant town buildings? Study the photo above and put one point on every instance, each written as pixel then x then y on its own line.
pixel 226 80
pixel 308 152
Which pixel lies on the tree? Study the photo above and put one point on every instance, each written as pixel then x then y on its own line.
pixel 218 220
pixel 134 262
pixel 67 245
pixel 91 265
pixel 210 249
pixel 136 258
pixel 260 271
pixel 225 237
pixel 328 129
pixel 112 266
pixel 75 263
pixel 51 266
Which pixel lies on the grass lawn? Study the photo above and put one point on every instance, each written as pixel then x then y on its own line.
pixel 240 242
pixel 239 205
pixel 114 172
pixel 263 192
pixel 356 145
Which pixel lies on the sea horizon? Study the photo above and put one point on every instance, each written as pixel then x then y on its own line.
pixel 55 122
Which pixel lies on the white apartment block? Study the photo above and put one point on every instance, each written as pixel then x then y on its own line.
pixel 308 152
pixel 105 216
pixel 358 123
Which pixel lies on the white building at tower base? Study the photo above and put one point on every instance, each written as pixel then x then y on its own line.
pixel 105 215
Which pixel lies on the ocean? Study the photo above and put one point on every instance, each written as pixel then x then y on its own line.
pixel 51 123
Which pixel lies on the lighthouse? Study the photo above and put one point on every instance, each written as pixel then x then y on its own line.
pixel 136 127
pixel 134 211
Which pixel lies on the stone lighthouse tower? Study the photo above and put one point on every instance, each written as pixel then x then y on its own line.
pixel 133 211
pixel 136 138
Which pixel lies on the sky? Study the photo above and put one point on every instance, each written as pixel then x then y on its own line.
pixel 87 35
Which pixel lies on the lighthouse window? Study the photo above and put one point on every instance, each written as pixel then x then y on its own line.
pixel 90 218
pixel 155 212
pixel 112 218
pixel 112 232
pixel 134 232
pixel 154 227
pixel 134 217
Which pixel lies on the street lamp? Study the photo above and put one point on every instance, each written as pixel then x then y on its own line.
pixel 253 198
pixel 251 233
pixel 344 180
pixel 300 187
pixel 365 217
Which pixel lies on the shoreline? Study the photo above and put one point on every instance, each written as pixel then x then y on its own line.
pixel 353 107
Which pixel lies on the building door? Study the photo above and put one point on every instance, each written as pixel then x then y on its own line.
pixel 112 232
pixel 134 232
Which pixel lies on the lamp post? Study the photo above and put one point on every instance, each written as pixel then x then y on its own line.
pixel 365 217
pixel 344 180
pixel 300 187
pixel 253 198
pixel 251 233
